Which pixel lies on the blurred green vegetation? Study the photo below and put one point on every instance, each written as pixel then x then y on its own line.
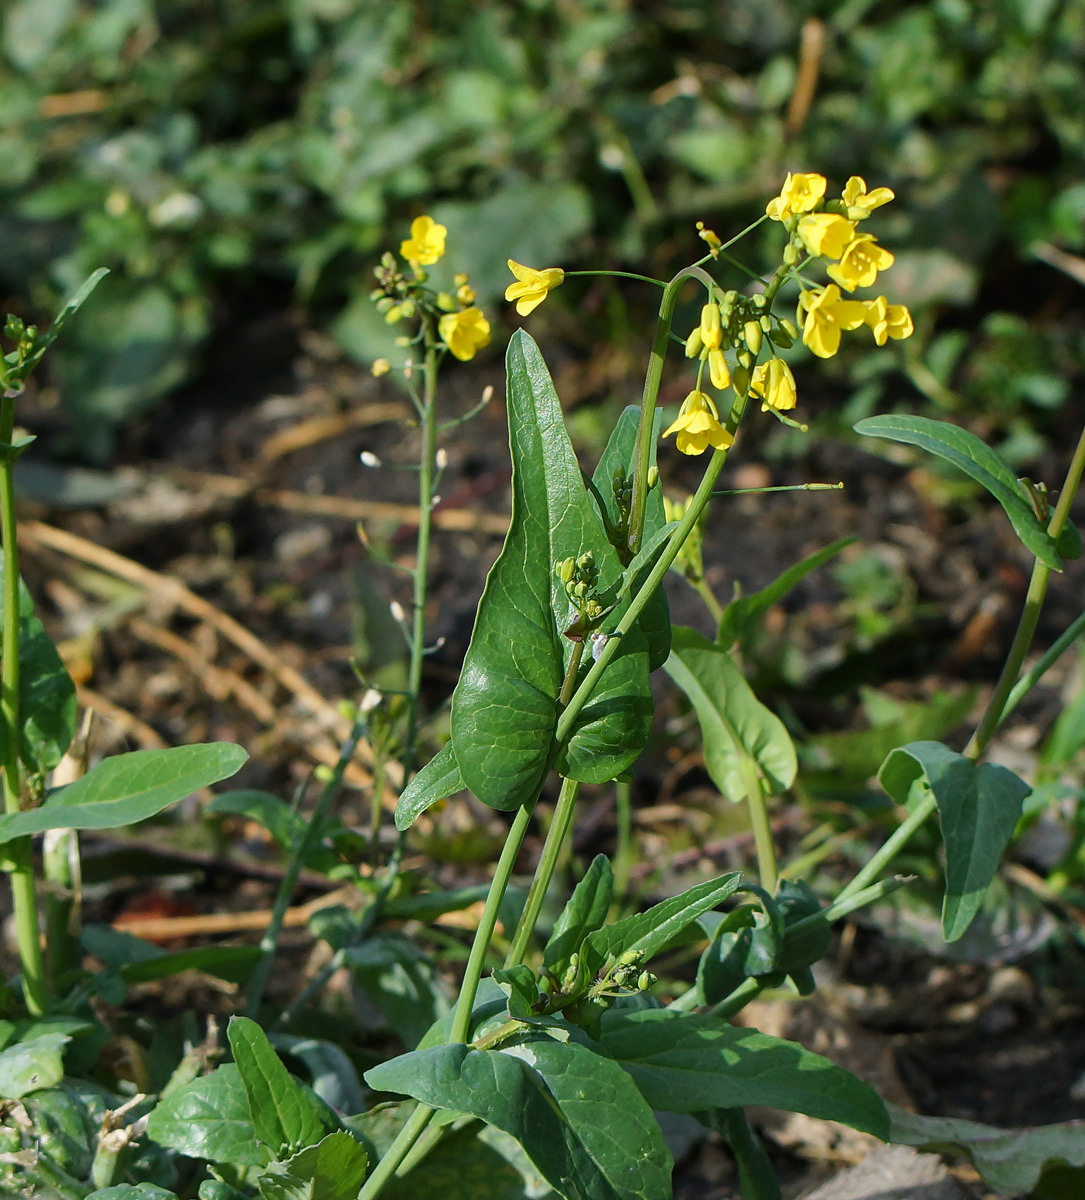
pixel 209 152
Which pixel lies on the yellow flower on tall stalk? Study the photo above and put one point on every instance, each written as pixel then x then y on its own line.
pixel 859 202
pixel 532 287
pixel 775 384
pixel 799 194
pixel 826 234
pixel 697 426
pixel 888 320
pixel 826 316
pixel 464 332
pixel 860 263
pixel 426 243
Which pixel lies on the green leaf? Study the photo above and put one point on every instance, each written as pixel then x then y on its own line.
pixel 576 1114
pixel 30 1066
pixel 235 964
pixel 504 709
pixel 208 1118
pixel 655 618
pixel 585 912
pixel 734 723
pixel 332 1074
pixel 438 779
pixel 428 906
pixel 979 807
pixel 267 809
pixel 47 706
pixel 986 466
pixel 741 615
pixel 284 1117
pixel 464 1166
pixel 397 977
pixel 648 932
pixel 1009 1160
pixel 127 788
pixel 333 1169
pixel 133 1191
pixel 683 1062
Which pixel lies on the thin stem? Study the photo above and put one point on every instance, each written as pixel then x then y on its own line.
pixel 715 608
pixel 623 849
pixel 483 935
pixel 568 684
pixel 767 868
pixel 18 856
pixel 1030 614
pixel 889 848
pixel 397 1151
pixel 1029 680
pixel 376 807
pixel 270 941
pixel 544 872
pixel 427 453
pixel 619 275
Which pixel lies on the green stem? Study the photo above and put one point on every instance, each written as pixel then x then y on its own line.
pixel 18 856
pixel 1031 678
pixel 756 1178
pixel 715 608
pixel 619 275
pixel 642 453
pixel 544 872
pixel 484 934
pixel 376 808
pixel 270 941
pixel 426 458
pixel 397 1151
pixel 1030 614
pixel 623 849
pixel 889 848
pixel 767 868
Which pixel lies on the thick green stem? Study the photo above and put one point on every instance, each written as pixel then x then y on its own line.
pixel 484 934
pixel 1026 627
pixel 18 856
pixel 270 941
pixel 544 872
pixel 397 1151
pixel 756 1178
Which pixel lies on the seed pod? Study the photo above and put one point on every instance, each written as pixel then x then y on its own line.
pixel 752 333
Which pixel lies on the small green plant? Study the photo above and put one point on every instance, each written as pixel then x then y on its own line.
pixel 554 1057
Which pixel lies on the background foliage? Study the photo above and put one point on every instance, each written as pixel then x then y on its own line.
pixel 204 150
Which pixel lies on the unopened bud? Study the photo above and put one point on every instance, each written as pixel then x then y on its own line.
pixel 586 560
pixel 653 477
pixel 752 333
pixel 718 370
pixel 565 570
pixel 445 302
pixel 396 609
pixel 758 299
pixel 789 328
pixel 711 327
pixel 369 459
pixel 645 981
pixel 791 254
pixel 766 323
pixel 441 459
pixel 740 380
pixel 630 958
pixel 745 358
pixel 381 367
pixel 694 344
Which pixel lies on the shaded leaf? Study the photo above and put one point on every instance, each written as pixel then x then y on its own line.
pixel 127 788
pixel 986 466
pixel 585 912
pixel 133 1191
pixel 399 980
pixel 683 1062
pixel 733 721
pixel 437 780
pixel 331 1073
pixel 979 807
pixel 333 1169
pixel 208 1118
pixel 30 1066
pixel 462 1167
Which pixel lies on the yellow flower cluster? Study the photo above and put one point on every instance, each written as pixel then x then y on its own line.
pixel 697 426
pixel 830 231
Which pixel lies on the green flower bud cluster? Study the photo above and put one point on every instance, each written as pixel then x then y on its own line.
pixel 581 578
pixel 732 321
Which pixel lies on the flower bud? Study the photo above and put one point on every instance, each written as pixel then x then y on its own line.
pixel 718 371
pixel 752 334
pixel 645 981
pixel 586 560
pixel 789 328
pixel 766 323
pixel 711 328
pixel 758 300
pixel 565 570
pixel 745 358
pixel 693 344
pixel 740 380
pixel 783 339
pixel 791 254
pixel 653 477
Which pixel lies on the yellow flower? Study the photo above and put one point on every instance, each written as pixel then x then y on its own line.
pixel 799 194
pixel 709 236
pixel 464 332
pixel 826 316
pixel 381 366
pixel 775 384
pixel 860 263
pixel 859 202
pixel 426 243
pixel 888 320
pixel 533 286
pixel 826 234
pixel 718 371
pixel 711 328
pixel 697 426
pixel 465 293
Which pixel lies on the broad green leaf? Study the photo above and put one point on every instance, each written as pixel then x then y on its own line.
pixel 683 1062
pixel 521 985
pixel 741 615
pixel 585 912
pixel 504 709
pixel 655 618
pixel 576 1114
pixel 284 1117
pixel 47 707
pixel 648 932
pixel 333 1169
pixel 30 1066
pixel 979 807
pixel 1009 1160
pixel 463 1166
pixel 986 466
pixel 127 788
pixel 332 1075
pixel 489 1001
pixel 397 977
pixel 734 723
pixel 208 1118
pixel 133 1191
pixel 438 779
